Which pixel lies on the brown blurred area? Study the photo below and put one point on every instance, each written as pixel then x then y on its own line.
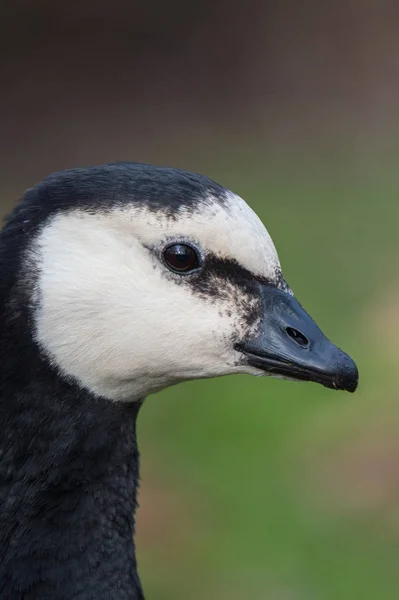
pixel 96 81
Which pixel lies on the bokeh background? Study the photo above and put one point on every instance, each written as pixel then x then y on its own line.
pixel 251 488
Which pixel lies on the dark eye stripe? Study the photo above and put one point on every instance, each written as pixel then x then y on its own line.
pixel 181 258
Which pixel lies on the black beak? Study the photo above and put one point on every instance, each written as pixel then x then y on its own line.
pixel 289 344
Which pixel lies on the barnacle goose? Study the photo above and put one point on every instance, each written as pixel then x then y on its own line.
pixel 117 281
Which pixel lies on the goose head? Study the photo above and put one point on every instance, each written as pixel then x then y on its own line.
pixel 140 277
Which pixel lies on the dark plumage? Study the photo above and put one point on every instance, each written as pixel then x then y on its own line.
pixel 161 189
pixel 69 475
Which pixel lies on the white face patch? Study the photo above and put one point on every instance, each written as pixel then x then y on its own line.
pixel 112 316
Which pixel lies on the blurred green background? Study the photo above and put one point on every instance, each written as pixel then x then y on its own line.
pixel 251 488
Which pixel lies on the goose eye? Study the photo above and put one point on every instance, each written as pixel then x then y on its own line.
pixel 181 258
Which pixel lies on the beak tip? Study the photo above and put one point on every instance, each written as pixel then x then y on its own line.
pixel 348 380
pixel 351 387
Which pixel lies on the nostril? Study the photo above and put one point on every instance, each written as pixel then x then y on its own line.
pixel 298 337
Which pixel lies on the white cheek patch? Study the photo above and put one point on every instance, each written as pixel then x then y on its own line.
pixel 109 316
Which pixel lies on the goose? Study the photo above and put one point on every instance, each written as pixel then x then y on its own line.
pixel 117 281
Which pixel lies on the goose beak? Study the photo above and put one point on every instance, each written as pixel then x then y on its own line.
pixel 289 344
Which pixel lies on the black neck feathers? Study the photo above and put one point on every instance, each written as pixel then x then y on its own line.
pixel 68 482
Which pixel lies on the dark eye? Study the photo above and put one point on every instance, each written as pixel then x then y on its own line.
pixel 181 258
